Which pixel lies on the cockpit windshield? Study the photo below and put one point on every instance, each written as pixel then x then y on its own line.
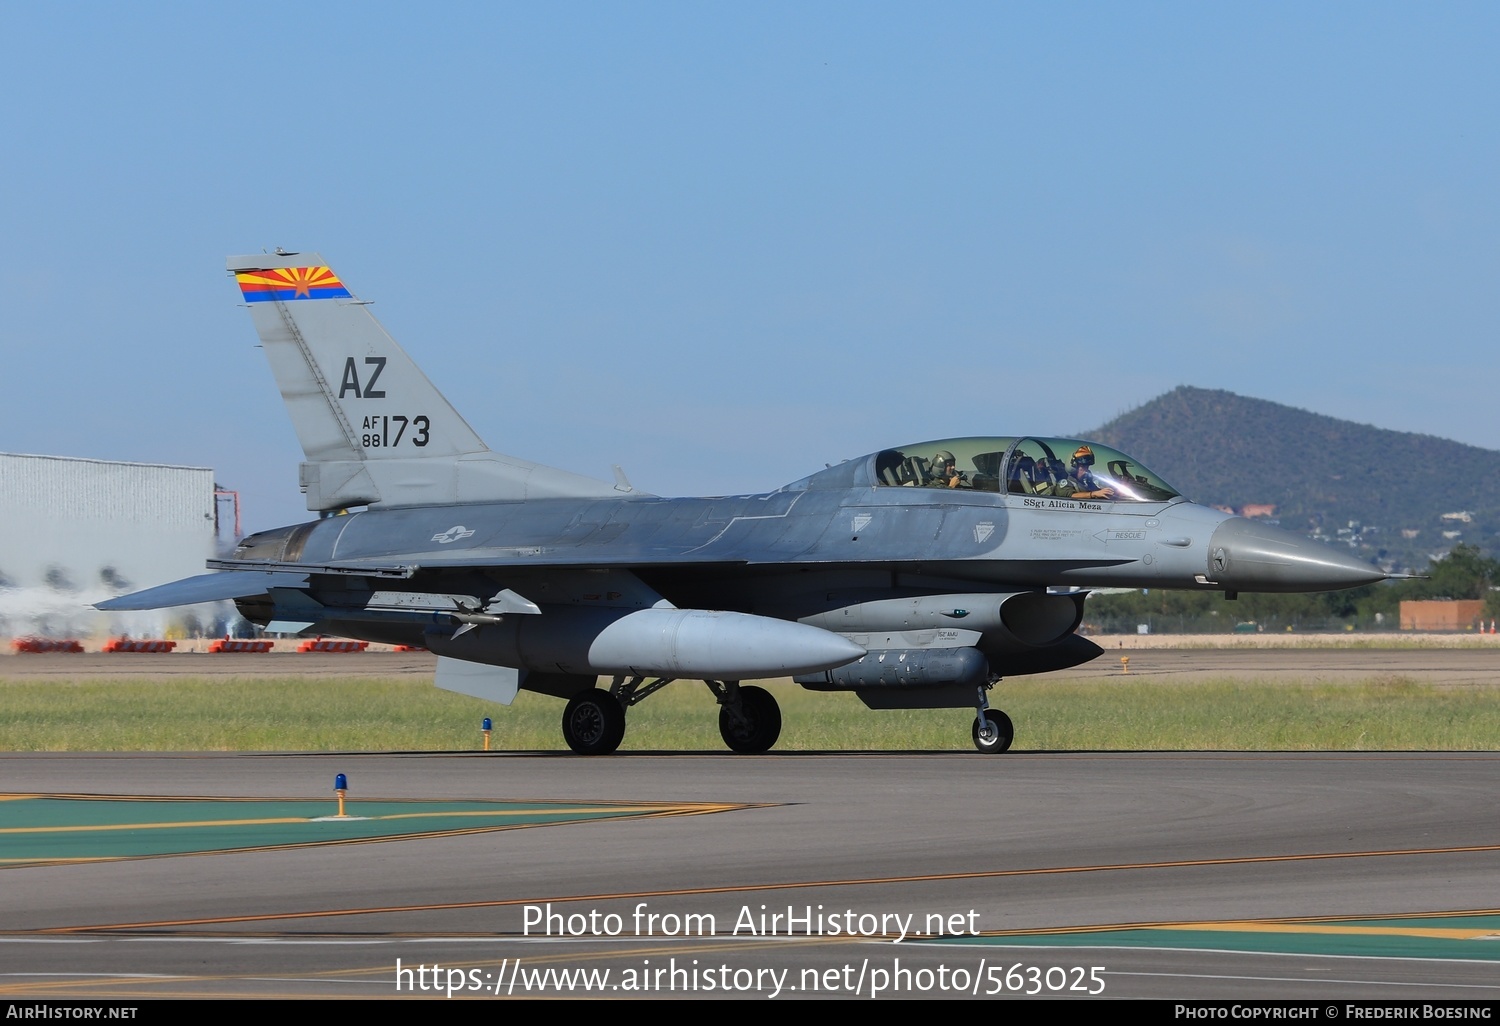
pixel 1065 468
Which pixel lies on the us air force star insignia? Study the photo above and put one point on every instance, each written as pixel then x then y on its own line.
pixel 861 521
pixel 983 530
pixel 453 534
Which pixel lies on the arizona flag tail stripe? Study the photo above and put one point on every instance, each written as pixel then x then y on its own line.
pixel 281 284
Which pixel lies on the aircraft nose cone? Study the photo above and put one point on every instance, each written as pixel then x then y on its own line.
pixel 1244 555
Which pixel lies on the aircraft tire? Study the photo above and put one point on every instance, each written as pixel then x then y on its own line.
pixel 1005 732
pixel 762 726
pixel 593 722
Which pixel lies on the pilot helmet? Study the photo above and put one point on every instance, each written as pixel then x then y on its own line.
pixel 942 458
pixel 1083 456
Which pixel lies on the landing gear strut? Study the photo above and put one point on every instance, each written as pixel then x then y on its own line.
pixel 993 731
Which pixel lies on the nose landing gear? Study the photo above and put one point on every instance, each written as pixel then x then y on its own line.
pixel 993 731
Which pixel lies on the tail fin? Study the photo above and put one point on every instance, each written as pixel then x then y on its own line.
pixel 375 431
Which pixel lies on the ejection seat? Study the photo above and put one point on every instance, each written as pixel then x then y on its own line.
pixel 914 472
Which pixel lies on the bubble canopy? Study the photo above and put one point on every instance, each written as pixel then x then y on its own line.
pixel 1067 468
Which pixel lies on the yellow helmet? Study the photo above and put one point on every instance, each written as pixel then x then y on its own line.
pixel 1084 455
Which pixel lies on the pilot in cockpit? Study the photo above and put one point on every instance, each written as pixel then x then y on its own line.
pixel 1080 482
pixel 945 472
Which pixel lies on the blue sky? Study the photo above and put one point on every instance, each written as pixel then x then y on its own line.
pixel 723 245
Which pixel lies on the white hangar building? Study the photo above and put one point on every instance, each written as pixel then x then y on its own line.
pixel 76 531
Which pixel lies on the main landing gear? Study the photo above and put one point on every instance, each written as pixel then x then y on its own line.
pixel 993 731
pixel 749 718
pixel 593 721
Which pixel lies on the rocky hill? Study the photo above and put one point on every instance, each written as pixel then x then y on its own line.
pixel 1398 498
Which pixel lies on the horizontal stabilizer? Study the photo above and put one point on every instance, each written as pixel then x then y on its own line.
pixel 497 684
pixel 204 588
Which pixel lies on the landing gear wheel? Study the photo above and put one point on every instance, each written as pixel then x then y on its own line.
pixel 997 733
pixel 758 725
pixel 593 723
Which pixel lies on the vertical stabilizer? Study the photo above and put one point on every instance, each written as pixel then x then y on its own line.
pixel 375 431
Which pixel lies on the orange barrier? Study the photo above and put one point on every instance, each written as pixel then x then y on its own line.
pixel 233 645
pixel 320 645
pixel 138 645
pixel 45 645
pixel 417 648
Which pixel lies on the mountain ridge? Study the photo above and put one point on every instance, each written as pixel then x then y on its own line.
pixel 1319 472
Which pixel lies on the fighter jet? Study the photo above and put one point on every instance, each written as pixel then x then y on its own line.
pixel 917 576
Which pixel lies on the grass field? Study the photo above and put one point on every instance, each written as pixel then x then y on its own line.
pixel 300 714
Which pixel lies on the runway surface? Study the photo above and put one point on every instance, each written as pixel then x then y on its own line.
pixel 1372 876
